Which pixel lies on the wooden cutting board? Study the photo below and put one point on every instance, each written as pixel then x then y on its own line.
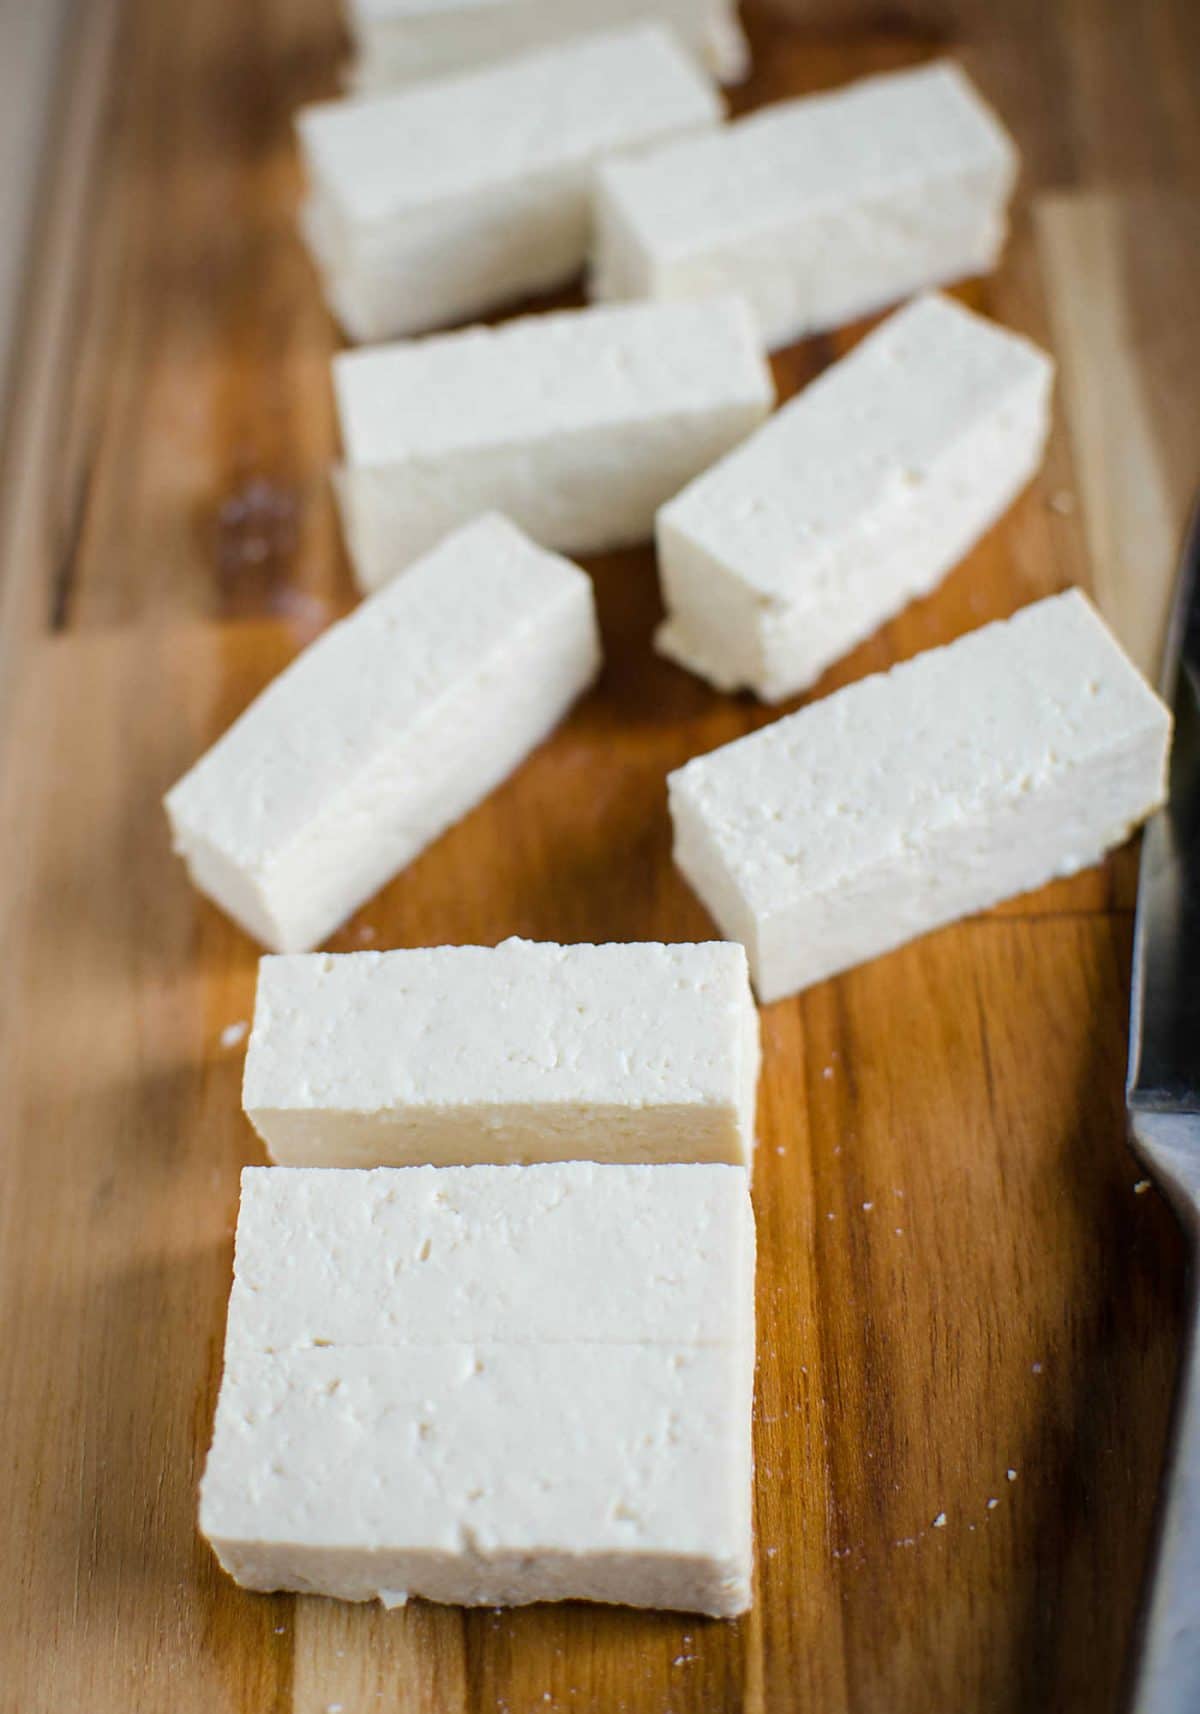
pixel 969 1311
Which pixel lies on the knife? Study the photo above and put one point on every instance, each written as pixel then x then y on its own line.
pixel 1162 1095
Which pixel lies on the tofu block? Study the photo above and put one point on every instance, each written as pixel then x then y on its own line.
pixel 577 426
pixel 1022 752
pixel 583 1433
pixel 461 1255
pixel 457 197
pixel 858 496
pixel 384 732
pixel 400 42
pixel 819 210
pixel 520 1052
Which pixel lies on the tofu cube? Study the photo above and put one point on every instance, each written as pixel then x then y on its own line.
pixel 856 497
pixel 819 210
pixel 520 1052
pixel 1022 752
pixel 384 732
pixel 490 1386
pixel 577 426
pixel 457 197
pixel 403 41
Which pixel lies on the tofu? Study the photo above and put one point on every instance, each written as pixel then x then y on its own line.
pixel 819 210
pixel 380 1437
pixel 400 42
pixel 458 197
pixel 1022 752
pixel 576 426
pixel 520 1052
pixel 856 497
pixel 385 731
pixel 461 1255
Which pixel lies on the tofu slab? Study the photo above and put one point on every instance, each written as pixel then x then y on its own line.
pixel 520 1052
pixel 461 1255
pixel 1022 752
pixel 577 426
pixel 399 42
pixel 856 497
pixel 819 210
pixel 581 1431
pixel 384 732
pixel 457 197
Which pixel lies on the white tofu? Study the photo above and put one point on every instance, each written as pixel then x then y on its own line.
pixel 403 41
pixel 1022 752
pixel 459 1255
pixel 818 210
pixel 577 426
pixel 519 1052
pixel 388 729
pixel 457 197
pixel 490 1386
pixel 858 496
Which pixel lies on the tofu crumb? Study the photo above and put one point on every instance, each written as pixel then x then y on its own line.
pixel 1011 1474
pixel 867 1207
pixel 992 1504
pixel 234 1034
pixel 1141 1187
pixel 939 1523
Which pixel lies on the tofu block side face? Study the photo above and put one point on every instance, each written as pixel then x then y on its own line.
pixel 857 497
pixel 444 201
pixel 403 44
pixel 818 210
pixel 490 1385
pixel 487 1475
pixel 521 1052
pixel 385 731
pixel 576 426
pixel 1020 753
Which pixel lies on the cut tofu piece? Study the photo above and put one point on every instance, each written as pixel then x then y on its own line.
pixel 458 197
pixel 487 1476
pixel 490 1386
pixel 389 728
pixel 818 210
pixel 400 42
pixel 456 1255
pixel 1022 752
pixel 577 426
pixel 856 497
pixel 519 1052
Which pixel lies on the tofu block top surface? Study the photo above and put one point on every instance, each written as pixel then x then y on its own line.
pixel 382 672
pixel 551 1253
pixel 777 508
pixel 861 776
pixel 454 138
pixel 576 1449
pixel 548 374
pixel 798 158
pixel 521 1022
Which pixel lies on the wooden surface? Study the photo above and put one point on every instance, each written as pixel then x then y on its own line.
pixel 967 1311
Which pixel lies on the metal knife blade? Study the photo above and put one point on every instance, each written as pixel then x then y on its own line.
pixel 1163 1098
pixel 1164 1042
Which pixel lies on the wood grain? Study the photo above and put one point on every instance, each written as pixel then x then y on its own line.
pixel 959 1277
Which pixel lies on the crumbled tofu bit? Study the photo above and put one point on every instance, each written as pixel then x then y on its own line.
pixel 1012 1475
pixel 939 1523
pixel 1141 1187
pixel 992 1504
pixel 234 1034
pixel 867 1207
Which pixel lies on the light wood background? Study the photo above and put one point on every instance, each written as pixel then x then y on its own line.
pixel 968 1311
